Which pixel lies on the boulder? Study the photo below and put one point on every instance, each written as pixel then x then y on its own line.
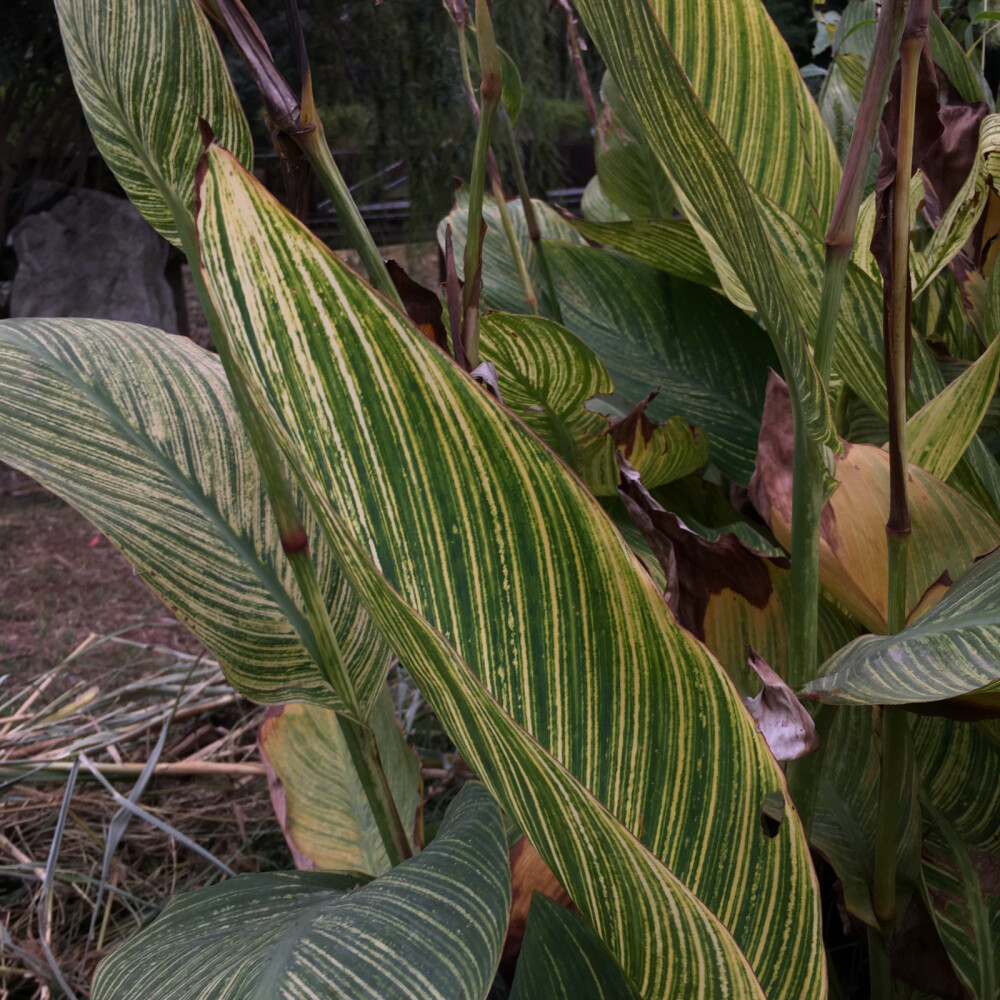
pixel 92 254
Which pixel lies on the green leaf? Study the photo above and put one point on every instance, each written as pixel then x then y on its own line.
pixel 630 174
pixel 597 206
pixel 951 651
pixel 145 72
pixel 939 433
pixel 504 586
pixel 431 928
pixel 316 792
pixel 140 433
pixel 671 245
pixel 734 58
pixel 845 821
pixel 546 376
pixel 963 73
pixel 563 959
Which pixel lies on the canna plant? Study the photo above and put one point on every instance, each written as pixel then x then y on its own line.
pixel 569 563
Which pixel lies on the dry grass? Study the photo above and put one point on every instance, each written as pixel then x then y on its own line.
pixel 65 899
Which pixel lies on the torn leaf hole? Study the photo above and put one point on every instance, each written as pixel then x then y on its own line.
pixel 772 814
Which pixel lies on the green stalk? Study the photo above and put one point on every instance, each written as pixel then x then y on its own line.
pixel 364 754
pixel 527 286
pixel 313 143
pixel 803 774
pixel 321 640
pixel 490 92
pixel 494 174
pixel 879 967
pixel 530 218
pixel 897 336
pixel 840 235
pixel 808 488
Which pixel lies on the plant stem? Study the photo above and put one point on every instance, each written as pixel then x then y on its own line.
pixel 838 257
pixel 364 754
pixel 803 774
pixel 894 727
pixel 527 286
pixel 490 92
pixel 879 967
pixel 840 235
pixel 494 174
pixel 897 346
pixel 313 143
pixel 808 490
pixel 474 235
pixel 530 218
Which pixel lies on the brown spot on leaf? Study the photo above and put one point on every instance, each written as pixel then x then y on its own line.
pixel 695 567
pixel 623 432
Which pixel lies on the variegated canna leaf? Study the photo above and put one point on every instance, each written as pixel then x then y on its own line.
pixel 145 72
pixel 504 586
pixel 952 651
pixel 546 377
pixel 431 929
pixel 138 430
pixel 671 66
pixel 672 245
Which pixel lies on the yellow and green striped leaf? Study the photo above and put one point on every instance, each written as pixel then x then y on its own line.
pixel 546 376
pixel 672 245
pixel 145 72
pixel 744 76
pixel 139 431
pixel 431 929
pixel 938 434
pixel 561 958
pixel 952 651
pixel 761 131
pixel 960 776
pixel 514 603
pixel 316 792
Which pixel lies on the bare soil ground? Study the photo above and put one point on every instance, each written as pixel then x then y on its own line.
pixel 61 580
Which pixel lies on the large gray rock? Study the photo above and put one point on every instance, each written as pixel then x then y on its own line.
pixel 94 255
